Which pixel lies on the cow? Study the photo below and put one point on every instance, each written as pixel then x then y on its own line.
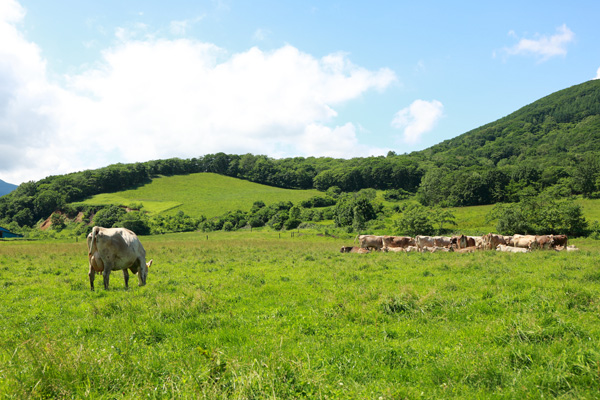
pixel 470 249
pixel 424 241
pixel 370 242
pixel 410 249
pixel 398 241
pixel 508 240
pixel 436 249
pixel 545 241
pixel 351 249
pixel 525 241
pixel 442 241
pixel 459 242
pixel 114 249
pixel 491 241
pixel 475 241
pixel 511 249
pixel 572 248
pixel 560 240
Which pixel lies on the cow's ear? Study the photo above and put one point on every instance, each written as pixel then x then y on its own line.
pixel 149 263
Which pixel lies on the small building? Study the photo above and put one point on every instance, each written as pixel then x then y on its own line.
pixel 5 233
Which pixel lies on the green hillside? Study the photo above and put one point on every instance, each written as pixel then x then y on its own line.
pixel 199 194
pixel 552 130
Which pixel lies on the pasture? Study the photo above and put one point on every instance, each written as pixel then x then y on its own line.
pixel 251 315
pixel 199 194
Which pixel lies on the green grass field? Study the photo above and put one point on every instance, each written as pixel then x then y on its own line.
pixel 200 194
pixel 253 315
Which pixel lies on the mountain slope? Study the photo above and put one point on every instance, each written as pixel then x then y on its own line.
pixel 200 194
pixel 549 131
pixel 6 188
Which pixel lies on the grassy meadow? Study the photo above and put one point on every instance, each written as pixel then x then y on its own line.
pixel 258 315
pixel 199 194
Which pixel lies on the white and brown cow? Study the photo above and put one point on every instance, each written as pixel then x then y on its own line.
pixel 398 241
pixel 491 241
pixel 114 249
pixel 370 242
pixel 511 249
pixel 525 241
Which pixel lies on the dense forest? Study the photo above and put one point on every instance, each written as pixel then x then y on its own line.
pixel 550 146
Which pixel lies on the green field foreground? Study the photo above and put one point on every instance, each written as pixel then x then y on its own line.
pixel 256 315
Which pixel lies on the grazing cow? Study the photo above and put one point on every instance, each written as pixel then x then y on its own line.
pixel 545 241
pixel 370 242
pixel 511 249
pixel 114 249
pixel 508 240
pixel 424 241
pixel 459 242
pixel 398 241
pixel 350 249
pixel 491 241
pixel 560 240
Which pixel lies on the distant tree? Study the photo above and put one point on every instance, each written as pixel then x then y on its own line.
pixel 135 221
pixel 415 220
pixel 58 221
pixel 441 217
pixel 109 216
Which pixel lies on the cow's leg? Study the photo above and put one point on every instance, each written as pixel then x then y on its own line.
pixel 106 275
pixel 126 276
pixel 92 275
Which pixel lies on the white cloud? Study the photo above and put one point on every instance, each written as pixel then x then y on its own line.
pixel 597 74
pixel 180 28
pixel 261 34
pixel 156 98
pixel 418 118
pixel 543 46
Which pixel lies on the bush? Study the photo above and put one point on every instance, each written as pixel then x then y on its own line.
pixel 109 216
pixel 414 221
pixel 292 223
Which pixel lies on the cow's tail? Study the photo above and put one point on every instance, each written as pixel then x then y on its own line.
pixel 93 241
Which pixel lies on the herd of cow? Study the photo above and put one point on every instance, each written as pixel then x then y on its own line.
pixel 119 249
pixel 459 244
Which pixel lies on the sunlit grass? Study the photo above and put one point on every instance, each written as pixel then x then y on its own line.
pixel 253 315
pixel 201 194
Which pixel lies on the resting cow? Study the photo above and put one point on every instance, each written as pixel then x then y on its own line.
pixel 114 249
pixel 511 249
pixel 525 241
pixel 351 249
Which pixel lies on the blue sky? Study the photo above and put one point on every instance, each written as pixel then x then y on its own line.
pixel 84 84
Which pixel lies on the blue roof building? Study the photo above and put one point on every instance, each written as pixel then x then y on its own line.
pixel 5 233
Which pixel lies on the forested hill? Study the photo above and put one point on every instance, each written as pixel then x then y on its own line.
pixel 550 146
pixel 548 132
